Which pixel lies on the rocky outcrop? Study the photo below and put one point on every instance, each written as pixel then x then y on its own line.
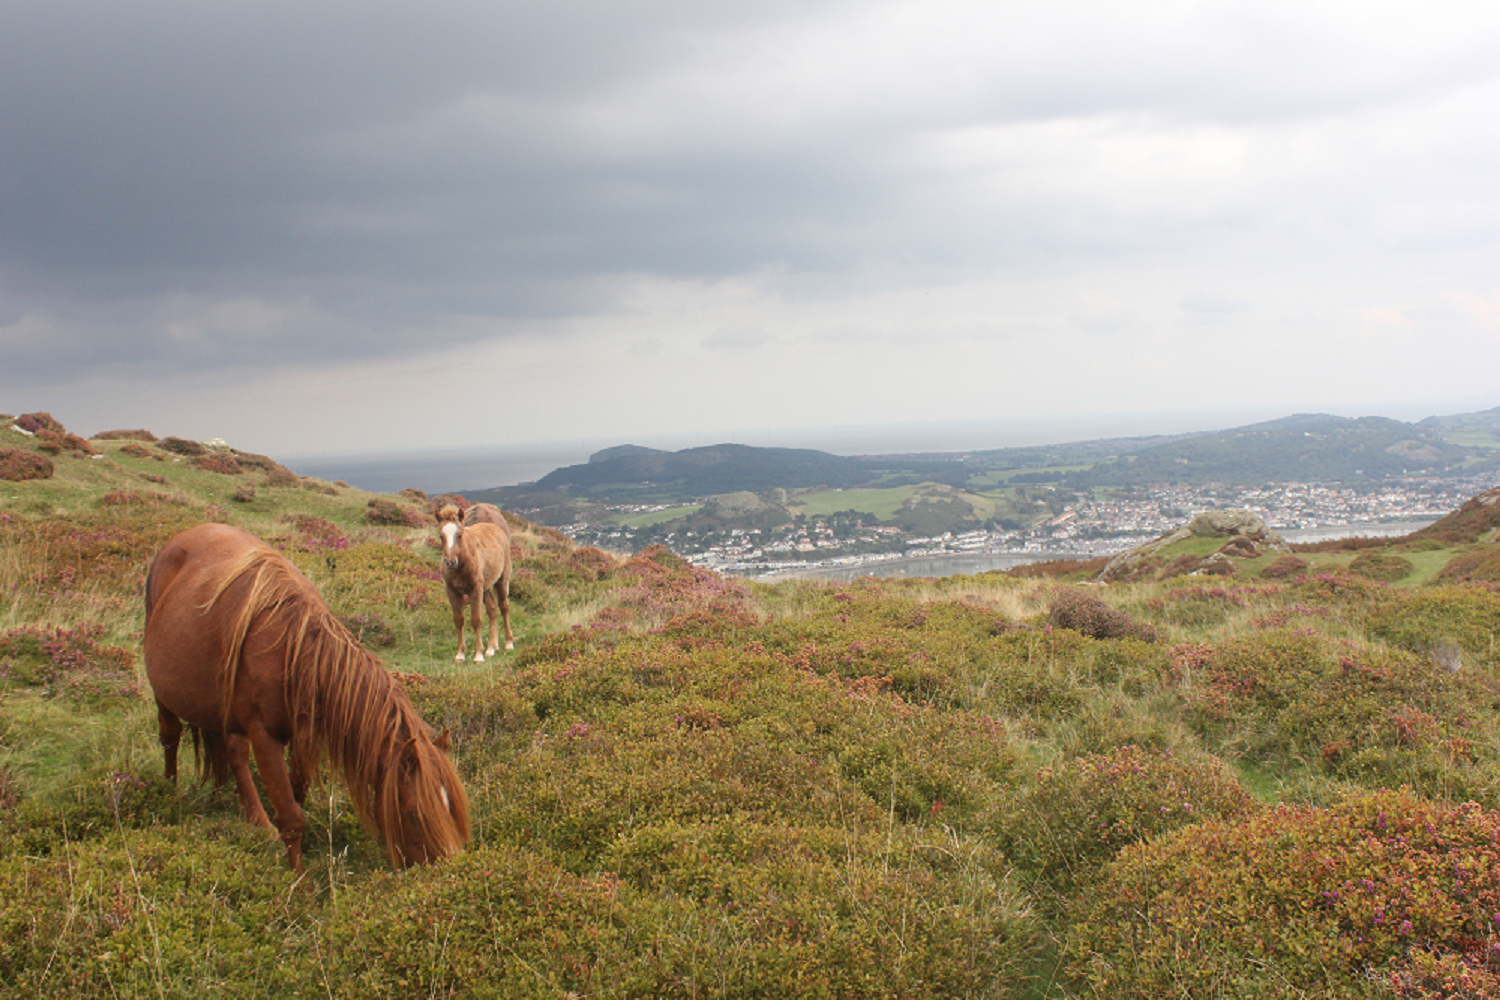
pixel 1233 524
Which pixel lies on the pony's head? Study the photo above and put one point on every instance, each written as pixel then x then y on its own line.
pixel 425 815
pixel 451 533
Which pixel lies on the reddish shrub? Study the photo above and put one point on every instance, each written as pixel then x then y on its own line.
pixel 387 512
pixel 38 422
pixel 136 451
pixel 592 562
pixel 1084 613
pixel 314 534
pixel 55 444
pixel 140 435
pixel 1298 901
pixel 18 464
pixel 280 476
pixel 218 461
pixel 182 446
pixel 1054 568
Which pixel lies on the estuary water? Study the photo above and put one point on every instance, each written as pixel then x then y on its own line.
pixel 957 565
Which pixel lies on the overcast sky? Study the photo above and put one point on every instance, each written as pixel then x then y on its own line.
pixel 344 227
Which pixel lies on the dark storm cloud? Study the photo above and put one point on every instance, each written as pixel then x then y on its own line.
pixel 193 185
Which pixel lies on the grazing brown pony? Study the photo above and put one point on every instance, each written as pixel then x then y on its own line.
pixel 240 646
pixel 476 564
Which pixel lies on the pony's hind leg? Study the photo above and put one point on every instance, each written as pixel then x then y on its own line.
pixel 169 728
pixel 502 588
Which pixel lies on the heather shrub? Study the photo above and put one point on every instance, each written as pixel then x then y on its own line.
pixel 1074 817
pixel 591 562
pixel 1088 615
pixel 1284 567
pixel 124 435
pixel 102 555
pixel 37 423
pixel 54 443
pixel 1468 616
pixel 369 629
pixel 1481 565
pixel 20 464
pixel 724 909
pixel 1060 569
pixel 1344 901
pixel 220 462
pixel 243 493
pixel 182 446
pixel 312 534
pixel 171 911
pixel 1204 606
pixel 280 477
pixel 386 512
pixel 1383 566
pixel 10 792
pixel 1377 717
pixel 136 450
pixel 67 663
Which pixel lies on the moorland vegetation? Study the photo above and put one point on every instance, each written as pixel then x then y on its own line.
pixel 1275 780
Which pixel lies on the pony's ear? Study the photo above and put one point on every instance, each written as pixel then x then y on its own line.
pixel 441 741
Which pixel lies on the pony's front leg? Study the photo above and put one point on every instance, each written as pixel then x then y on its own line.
pixel 271 756
pixel 456 605
pixel 474 602
pixel 238 751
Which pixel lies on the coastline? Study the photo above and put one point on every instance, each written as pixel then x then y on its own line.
pixel 968 563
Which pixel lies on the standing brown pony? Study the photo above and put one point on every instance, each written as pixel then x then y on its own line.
pixel 240 646
pixel 476 564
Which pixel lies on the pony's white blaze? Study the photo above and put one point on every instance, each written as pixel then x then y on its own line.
pixel 450 538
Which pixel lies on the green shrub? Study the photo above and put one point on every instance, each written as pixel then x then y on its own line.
pixel 721 908
pixel 1284 567
pixel 1295 901
pixel 1383 566
pixel 1073 818
pixel 1421 621
pixel 187 911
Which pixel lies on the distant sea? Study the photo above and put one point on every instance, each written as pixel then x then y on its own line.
pixel 443 471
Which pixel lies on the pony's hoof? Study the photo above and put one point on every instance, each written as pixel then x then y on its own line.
pixel 478 657
pixel 510 645
pixel 459 658
pixel 490 651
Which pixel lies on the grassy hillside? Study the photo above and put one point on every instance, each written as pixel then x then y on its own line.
pixel 690 786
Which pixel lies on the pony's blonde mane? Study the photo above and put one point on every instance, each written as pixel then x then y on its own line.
pixel 346 706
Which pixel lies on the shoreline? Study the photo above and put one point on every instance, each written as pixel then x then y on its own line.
pixel 953 563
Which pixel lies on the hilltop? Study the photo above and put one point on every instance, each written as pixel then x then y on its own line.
pixel 685 785
pixel 1098 494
